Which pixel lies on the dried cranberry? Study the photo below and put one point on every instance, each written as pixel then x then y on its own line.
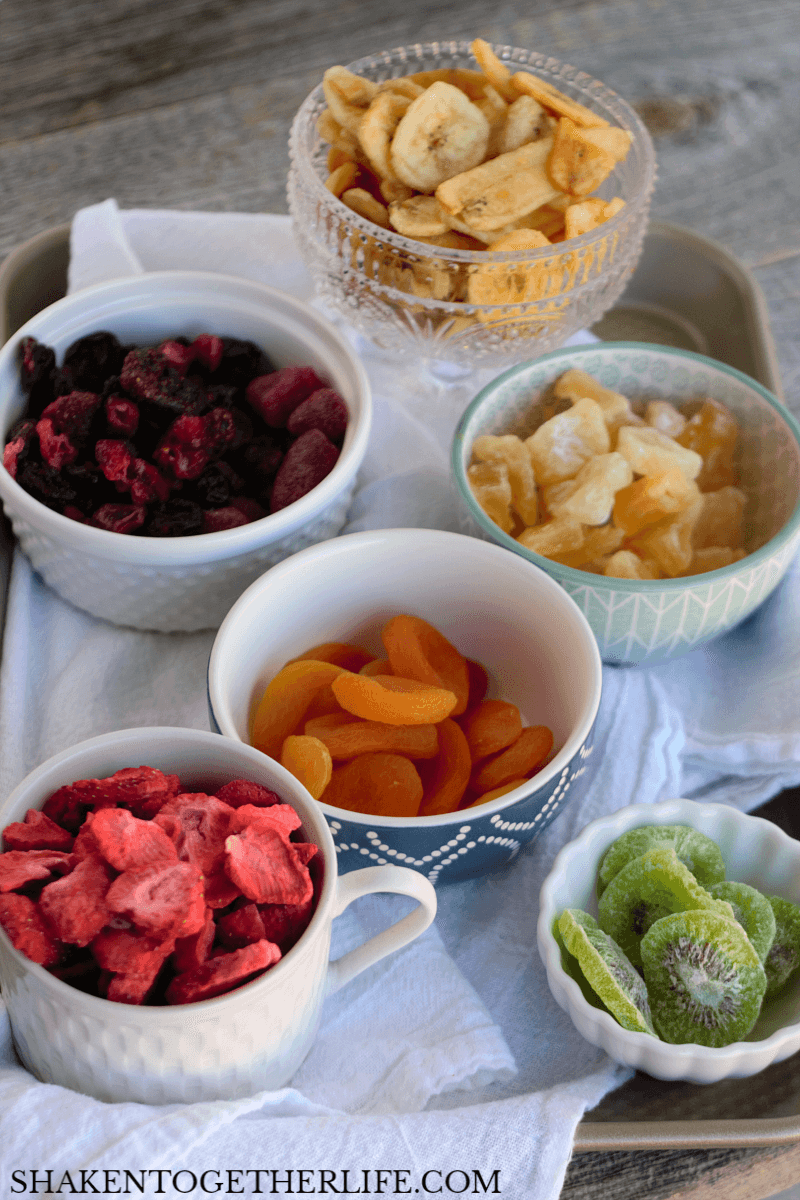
pixel 208 349
pixel 147 483
pixel 215 519
pixel 122 416
pixel 114 459
pixel 57 448
pixel 275 397
pixel 324 410
pixel 307 462
pixel 18 446
pixel 92 359
pixel 175 518
pixel 241 361
pixel 119 518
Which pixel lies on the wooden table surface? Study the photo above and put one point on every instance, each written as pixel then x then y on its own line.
pixel 187 104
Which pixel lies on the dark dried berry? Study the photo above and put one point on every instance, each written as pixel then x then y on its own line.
pixel 175 518
pixel 275 397
pixel 146 375
pixel 241 361
pixel 46 485
pixel 92 359
pixel 324 410
pixel 213 488
pixel 38 363
pixel 119 518
pixel 215 519
pixel 122 416
pixel 91 487
pixel 208 349
pixel 260 460
pixel 306 463
pixel 20 441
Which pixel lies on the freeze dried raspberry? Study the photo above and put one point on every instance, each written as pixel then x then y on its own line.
pixel 175 518
pixel 18 446
pixel 182 452
pixel 240 928
pixel 307 462
pixel 37 363
pixel 76 906
pixel 198 825
pixel 243 791
pixel 23 923
pixel 266 867
pixel 176 355
pixel 146 375
pixel 241 361
pixel 119 518
pixel 216 519
pixel 275 397
pixel 163 902
pixel 73 414
pixel 277 816
pixel 18 867
pixel 191 952
pixel 284 923
pixel 208 349
pixel 128 843
pixel 36 832
pixel 122 416
pixel 57 449
pixel 222 973
pixel 91 360
pixel 324 410
pixel 114 458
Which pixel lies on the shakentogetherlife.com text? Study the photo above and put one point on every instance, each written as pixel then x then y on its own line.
pixel 254 1182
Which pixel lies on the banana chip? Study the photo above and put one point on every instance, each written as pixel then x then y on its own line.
pixel 342 178
pixel 549 96
pixel 575 165
pixel 495 71
pixel 588 214
pixel 510 283
pixel 403 86
pixel 377 128
pixel 348 96
pixel 526 121
pixel 365 205
pixel 441 134
pixel 419 217
pixel 502 190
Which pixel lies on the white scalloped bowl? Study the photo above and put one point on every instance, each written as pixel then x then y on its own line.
pixel 755 852
pixel 183 583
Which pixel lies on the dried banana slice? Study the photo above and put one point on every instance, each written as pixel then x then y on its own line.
pixel 339 138
pixel 531 85
pixel 588 214
pixel 365 205
pixel 526 121
pixel 343 178
pixel 575 165
pixel 441 134
pixel 348 96
pixel 392 190
pixel 510 283
pixel 495 109
pixel 502 190
pixel 403 86
pixel 377 128
pixel 421 216
pixel 495 71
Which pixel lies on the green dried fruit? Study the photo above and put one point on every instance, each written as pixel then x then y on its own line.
pixel 783 960
pixel 607 969
pixel 752 910
pixel 696 851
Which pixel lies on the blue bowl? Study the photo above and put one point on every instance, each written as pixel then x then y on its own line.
pixel 494 606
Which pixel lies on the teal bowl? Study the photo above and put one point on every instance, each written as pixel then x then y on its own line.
pixel 652 621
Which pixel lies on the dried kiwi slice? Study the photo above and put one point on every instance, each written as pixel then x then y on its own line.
pixel 646 889
pixel 696 851
pixel 610 973
pixel 783 959
pixel 752 910
pixel 703 977
pixel 572 968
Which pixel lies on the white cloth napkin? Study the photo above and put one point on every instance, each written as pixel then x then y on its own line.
pixel 420 1030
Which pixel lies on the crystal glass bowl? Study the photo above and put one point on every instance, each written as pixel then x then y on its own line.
pixel 386 285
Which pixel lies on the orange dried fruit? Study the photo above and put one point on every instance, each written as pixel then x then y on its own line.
pixel 497 792
pixel 346 736
pixel 341 654
pixel 286 700
pixel 393 700
pixel 385 785
pixel 376 666
pixel 451 773
pixel 417 650
pixel 309 760
pixel 491 726
pixel 527 754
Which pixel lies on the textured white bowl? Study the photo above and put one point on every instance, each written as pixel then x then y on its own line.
pixel 494 606
pixel 755 851
pixel 236 1044
pixel 183 583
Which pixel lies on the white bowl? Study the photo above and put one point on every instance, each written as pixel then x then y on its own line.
pixel 233 1045
pixel 756 852
pixel 495 607
pixel 183 583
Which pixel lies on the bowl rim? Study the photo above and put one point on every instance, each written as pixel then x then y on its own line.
pixel 227 543
pixel 577 739
pixel 664 812
pixel 547 64
pixel 458 459
pixel 154 1014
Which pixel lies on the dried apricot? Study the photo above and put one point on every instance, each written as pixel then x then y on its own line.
pixel 341 654
pixel 386 785
pixel 345 736
pixel 286 700
pixel 527 754
pixel 497 792
pixel 309 760
pixel 451 773
pixel 393 700
pixel 491 726
pixel 417 650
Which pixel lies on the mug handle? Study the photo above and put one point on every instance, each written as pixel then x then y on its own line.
pixel 404 882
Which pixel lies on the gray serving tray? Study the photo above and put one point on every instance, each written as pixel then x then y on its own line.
pixel 686 291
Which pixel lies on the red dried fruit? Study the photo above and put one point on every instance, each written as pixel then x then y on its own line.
pixel 278 816
pixel 222 973
pixel 127 951
pixel 177 355
pixel 147 482
pixel 36 364
pixel 242 791
pixel 275 397
pixel 122 415
pixel 76 906
pixel 18 445
pixel 128 843
pixel 57 449
pixel 36 832
pixel 219 430
pixel 284 923
pixel 216 519
pixel 73 413
pixel 324 410
pixel 249 508
pixel 23 923
pixel 74 514
pixel 240 928
pixel 182 452
pixel 266 866
pixel 192 951
pixel 147 375
pixel 18 867
pixel 208 349
pixel 306 463
pixel 114 459
pixel 198 826
pixel 164 902
pixel 119 518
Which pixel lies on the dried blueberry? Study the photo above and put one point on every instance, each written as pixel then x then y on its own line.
pixel 174 518
pixel 240 362
pixel 48 486
pixel 92 359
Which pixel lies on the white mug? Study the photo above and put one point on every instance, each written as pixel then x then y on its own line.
pixel 250 1039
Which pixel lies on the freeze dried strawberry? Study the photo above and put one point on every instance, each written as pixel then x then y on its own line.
pixel 216 519
pixel 119 518
pixel 220 891
pixel 284 923
pixel 266 866
pixel 240 928
pixel 198 826
pixel 191 952
pixel 277 816
pixel 222 973
pixel 23 923
pixel 130 987
pixel 18 446
pixel 275 397
pixel 36 832
pixel 243 791
pixel 76 906
pixel 163 902
pixel 177 355
pixel 128 843
pixel 305 851
pixel 141 789
pixel 85 844
pixel 324 410
pixel 125 950
pixel 114 458
pixel 57 449
pixel 208 349
pixel 18 867
pixel 306 463
pixel 122 415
